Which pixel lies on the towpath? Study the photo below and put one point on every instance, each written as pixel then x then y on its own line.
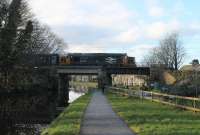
pixel 100 119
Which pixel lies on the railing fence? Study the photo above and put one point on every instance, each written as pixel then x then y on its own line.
pixel 188 103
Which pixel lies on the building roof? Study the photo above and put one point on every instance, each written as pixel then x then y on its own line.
pixel 191 68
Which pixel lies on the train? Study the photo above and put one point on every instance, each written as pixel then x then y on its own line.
pixel 84 59
pixel 97 59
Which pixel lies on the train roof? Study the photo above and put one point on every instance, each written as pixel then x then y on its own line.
pixel 97 54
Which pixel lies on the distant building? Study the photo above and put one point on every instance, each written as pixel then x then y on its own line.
pixel 129 80
pixel 84 78
pixel 191 68
pixel 195 62
pixel 194 66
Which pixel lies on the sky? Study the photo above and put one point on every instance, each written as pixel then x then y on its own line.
pixel 121 26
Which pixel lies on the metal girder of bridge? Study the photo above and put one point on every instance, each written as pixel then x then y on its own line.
pixel 80 70
pixel 129 70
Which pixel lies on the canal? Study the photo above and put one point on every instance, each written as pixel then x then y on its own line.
pixel 35 129
pixel 77 89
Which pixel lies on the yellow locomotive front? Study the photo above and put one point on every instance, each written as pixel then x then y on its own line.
pixel 64 60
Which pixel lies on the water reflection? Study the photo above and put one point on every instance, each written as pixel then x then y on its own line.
pixel 76 92
pixel 74 95
pixel 30 129
pixel 35 129
pixel 78 88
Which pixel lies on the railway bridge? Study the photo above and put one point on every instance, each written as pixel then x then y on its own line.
pixel 49 76
pixel 104 74
pixel 104 65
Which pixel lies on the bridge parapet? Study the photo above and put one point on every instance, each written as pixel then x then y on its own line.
pixel 80 70
pixel 129 70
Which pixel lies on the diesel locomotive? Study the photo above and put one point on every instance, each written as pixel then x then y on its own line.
pixel 97 59
pixel 85 59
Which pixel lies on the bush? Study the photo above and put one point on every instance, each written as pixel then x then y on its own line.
pixel 185 90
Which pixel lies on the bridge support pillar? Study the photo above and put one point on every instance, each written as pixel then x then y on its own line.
pixel 63 90
pixel 109 79
pixel 100 80
pixel 104 79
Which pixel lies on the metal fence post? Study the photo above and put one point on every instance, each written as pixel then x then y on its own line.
pixel 142 95
pixel 176 102
pixel 194 103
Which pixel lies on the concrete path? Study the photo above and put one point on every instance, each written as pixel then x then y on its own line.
pixel 100 119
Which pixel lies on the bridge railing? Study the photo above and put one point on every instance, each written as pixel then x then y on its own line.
pixel 188 103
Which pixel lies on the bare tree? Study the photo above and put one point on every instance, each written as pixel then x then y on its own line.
pixel 3 12
pixel 44 41
pixel 170 52
pixel 151 58
pixel 20 35
pixel 173 53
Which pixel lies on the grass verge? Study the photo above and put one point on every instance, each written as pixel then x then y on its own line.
pixel 149 118
pixel 69 122
pixel 84 84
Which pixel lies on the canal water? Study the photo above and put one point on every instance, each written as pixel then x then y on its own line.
pixel 35 129
pixel 76 92
pixel 74 95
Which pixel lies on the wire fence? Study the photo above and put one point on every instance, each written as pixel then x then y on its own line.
pixel 188 103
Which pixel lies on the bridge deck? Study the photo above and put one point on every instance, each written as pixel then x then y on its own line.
pixel 100 119
pixel 97 69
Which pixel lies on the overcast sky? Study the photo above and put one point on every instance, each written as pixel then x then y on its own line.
pixel 124 26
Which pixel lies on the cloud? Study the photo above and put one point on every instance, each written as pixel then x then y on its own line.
pixel 85 48
pixel 178 9
pixel 192 29
pixel 140 50
pixel 98 13
pixel 156 11
pixel 154 8
pixel 112 25
pixel 89 17
pixel 155 30
pixel 129 36
pixel 158 29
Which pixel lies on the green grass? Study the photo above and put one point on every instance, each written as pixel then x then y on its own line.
pixel 85 84
pixel 149 118
pixel 68 122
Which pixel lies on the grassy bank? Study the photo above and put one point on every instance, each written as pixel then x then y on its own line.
pixel 84 84
pixel 149 118
pixel 68 123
